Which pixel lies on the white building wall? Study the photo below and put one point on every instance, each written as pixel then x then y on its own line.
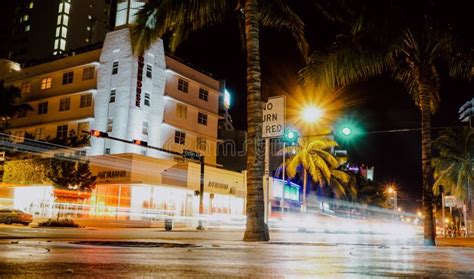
pixel 127 117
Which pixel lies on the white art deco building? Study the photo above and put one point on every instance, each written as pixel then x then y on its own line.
pixel 152 98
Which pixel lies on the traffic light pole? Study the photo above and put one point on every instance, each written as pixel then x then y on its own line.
pixel 201 194
pixel 283 178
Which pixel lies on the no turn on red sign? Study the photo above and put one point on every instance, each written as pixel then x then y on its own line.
pixel 274 117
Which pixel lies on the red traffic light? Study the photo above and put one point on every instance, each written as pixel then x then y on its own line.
pixel 141 143
pixel 98 134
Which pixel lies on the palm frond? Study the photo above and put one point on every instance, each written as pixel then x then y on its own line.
pixel 346 65
pixel 158 17
pixel 277 14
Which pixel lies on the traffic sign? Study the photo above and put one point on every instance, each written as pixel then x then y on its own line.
pixel 451 201
pixel 274 117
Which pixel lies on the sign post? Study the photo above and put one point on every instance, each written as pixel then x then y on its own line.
pixel 2 165
pixel 273 127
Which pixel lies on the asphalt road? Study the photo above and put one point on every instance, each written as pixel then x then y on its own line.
pixel 44 253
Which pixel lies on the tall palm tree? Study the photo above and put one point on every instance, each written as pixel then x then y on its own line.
pixel 159 18
pixel 412 52
pixel 453 165
pixel 9 97
pixel 314 157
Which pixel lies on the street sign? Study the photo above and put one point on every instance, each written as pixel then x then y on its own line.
pixel 451 201
pixel 188 154
pixel 274 117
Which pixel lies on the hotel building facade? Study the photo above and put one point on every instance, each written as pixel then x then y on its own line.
pixel 152 98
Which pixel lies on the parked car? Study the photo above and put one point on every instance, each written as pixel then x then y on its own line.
pixel 10 216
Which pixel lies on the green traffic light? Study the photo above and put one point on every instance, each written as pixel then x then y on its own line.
pixel 346 131
pixel 291 136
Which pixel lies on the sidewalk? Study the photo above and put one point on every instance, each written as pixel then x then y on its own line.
pixel 455 242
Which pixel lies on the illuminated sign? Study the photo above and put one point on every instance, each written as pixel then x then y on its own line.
pixel 138 96
pixel 226 99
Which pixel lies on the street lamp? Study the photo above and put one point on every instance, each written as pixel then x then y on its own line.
pixel 312 114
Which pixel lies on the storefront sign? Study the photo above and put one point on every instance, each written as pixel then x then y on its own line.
pixel 217 185
pixel 112 174
pixel 274 117
pixel 138 96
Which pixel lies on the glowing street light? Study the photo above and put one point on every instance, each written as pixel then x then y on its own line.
pixel 312 114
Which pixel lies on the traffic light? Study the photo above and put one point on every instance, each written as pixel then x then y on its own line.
pixel 98 134
pixel 140 142
pixel 347 129
pixel 291 136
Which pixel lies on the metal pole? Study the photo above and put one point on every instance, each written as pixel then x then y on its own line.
pixel 283 178
pixel 442 210
pixel 201 195
pixel 395 201
pixel 268 207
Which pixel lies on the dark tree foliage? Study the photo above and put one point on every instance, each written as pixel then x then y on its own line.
pixel 70 174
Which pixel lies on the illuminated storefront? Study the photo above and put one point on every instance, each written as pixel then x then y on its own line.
pixel 292 193
pixel 131 191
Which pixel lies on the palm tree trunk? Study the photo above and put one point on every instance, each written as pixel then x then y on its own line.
pixel 256 229
pixel 425 105
pixel 305 181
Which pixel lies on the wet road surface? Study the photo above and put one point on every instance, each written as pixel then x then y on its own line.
pixel 52 253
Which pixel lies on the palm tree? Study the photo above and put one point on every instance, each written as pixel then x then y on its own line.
pixel 453 165
pixel 315 158
pixel 9 97
pixel 412 52
pixel 178 19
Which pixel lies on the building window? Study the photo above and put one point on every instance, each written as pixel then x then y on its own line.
pixel 64 104
pixel 201 144
pixel 86 100
pixel 31 5
pixel 115 66
pixel 82 126
pixel 179 137
pixel 43 108
pixel 143 152
pixel 181 111
pixel 110 124
pixel 46 83
pixel 147 99
pixel 25 87
pixel 26 17
pixel 183 85
pixel 68 78
pixel 202 118
pixel 107 151
pixel 88 73
pixel 27 28
pixel 149 71
pixel 203 94
pixel 112 95
pixel 61 131
pixel 145 128
pixel 22 113
pixel 39 133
